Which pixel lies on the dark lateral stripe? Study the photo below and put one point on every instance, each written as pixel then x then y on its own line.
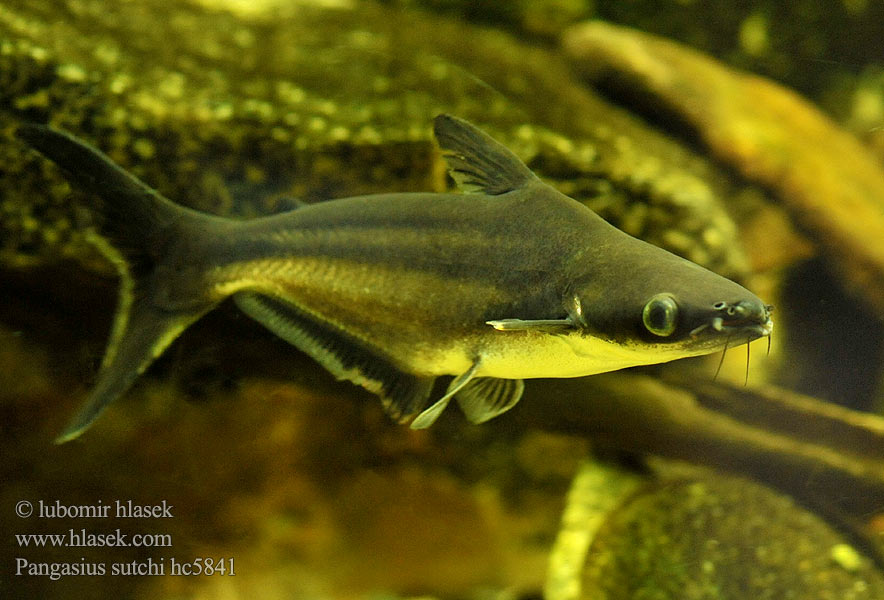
pixel 451 255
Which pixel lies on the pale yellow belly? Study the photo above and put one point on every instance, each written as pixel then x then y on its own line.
pixel 530 355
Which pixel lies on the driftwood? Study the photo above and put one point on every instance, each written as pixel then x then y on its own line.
pixel 829 458
pixel 831 185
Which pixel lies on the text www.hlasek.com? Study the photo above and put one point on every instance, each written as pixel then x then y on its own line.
pixel 82 537
pixel 85 539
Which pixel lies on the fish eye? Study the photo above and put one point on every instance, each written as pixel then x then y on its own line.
pixel 660 315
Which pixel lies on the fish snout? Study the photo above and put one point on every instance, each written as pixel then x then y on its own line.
pixel 748 316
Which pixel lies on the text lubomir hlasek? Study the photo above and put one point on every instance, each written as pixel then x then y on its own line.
pixel 120 509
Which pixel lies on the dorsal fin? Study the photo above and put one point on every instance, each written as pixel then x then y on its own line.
pixel 476 161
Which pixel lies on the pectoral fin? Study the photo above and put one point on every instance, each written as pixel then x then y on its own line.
pixel 575 320
pixel 345 357
pixel 537 325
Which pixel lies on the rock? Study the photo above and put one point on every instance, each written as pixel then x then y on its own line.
pixel 710 536
pixel 237 112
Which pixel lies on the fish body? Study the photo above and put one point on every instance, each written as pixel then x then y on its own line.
pixel 418 276
pixel 391 291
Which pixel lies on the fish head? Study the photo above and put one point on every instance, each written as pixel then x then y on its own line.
pixel 684 309
pixel 706 323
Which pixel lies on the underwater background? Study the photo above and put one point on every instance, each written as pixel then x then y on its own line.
pixel 747 137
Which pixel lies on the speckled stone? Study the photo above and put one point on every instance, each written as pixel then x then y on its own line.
pixel 232 112
pixel 722 538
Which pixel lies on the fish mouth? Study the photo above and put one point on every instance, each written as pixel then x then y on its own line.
pixel 737 328
pixel 750 320
pixel 753 328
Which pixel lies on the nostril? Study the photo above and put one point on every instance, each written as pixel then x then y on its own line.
pixel 719 305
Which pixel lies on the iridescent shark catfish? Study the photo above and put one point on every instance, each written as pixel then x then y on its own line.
pixel 512 280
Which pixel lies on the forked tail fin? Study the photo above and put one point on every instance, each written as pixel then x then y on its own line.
pixel 135 228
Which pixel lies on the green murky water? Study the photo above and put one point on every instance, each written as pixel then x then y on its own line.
pixel 237 467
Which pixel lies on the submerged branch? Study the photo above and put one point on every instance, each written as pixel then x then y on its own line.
pixel 827 457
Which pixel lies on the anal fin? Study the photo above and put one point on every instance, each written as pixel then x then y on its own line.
pixel 344 356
